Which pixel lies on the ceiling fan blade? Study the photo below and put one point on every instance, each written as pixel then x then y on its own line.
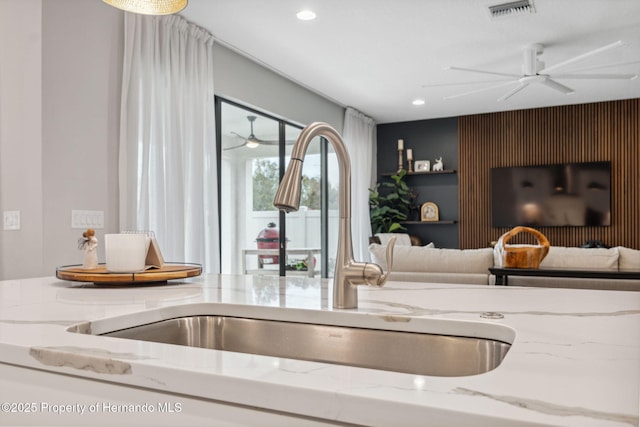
pixel 557 86
pixel 463 83
pixel 474 70
pixel 599 67
pixel 235 146
pixel 513 92
pixel 273 142
pixel 478 90
pixel 581 57
pixel 238 135
pixel 596 76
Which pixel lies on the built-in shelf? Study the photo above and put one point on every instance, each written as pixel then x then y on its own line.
pixel 446 171
pixel 428 222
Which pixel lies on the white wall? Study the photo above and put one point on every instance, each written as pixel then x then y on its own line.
pixel 20 135
pixel 81 84
pixel 59 115
pixel 240 79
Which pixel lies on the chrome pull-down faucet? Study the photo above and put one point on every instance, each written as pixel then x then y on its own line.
pixel 348 272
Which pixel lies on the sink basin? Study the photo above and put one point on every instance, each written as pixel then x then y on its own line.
pixel 391 350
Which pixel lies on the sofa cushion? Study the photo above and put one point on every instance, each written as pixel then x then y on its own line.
pixel 581 258
pixel 629 258
pixel 426 259
pixel 379 253
pixel 423 277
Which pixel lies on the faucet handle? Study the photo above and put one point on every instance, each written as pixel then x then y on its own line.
pixel 379 277
pixel 389 254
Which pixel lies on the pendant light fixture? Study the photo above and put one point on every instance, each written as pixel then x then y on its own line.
pixel 149 7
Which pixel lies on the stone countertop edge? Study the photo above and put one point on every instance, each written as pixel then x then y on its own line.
pixel 574 360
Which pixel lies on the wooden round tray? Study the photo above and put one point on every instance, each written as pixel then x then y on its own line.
pixel 100 275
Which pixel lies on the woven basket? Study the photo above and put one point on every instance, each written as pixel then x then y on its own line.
pixel 522 256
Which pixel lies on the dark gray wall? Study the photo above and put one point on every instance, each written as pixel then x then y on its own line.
pixel 429 139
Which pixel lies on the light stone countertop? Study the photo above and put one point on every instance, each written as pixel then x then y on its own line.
pixel 574 360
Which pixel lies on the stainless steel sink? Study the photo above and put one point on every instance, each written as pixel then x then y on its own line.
pixel 408 352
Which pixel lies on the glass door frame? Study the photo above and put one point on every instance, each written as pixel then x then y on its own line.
pixel 324 186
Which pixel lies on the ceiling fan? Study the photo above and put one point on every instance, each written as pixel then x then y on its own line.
pixel 534 72
pixel 251 141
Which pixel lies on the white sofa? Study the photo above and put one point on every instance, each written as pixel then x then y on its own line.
pixel 429 264
pixel 471 266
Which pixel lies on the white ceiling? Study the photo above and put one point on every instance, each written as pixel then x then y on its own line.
pixel 379 55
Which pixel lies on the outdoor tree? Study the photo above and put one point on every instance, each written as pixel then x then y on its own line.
pixel 266 181
pixel 265 184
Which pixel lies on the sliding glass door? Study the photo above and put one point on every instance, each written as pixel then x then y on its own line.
pixel 256 238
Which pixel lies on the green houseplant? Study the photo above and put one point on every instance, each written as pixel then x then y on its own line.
pixel 391 203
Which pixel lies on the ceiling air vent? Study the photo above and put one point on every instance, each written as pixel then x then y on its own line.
pixel 511 9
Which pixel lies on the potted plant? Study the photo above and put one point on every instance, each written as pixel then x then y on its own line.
pixel 391 203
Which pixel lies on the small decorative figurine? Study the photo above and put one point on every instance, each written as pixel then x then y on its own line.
pixel 89 243
pixel 437 166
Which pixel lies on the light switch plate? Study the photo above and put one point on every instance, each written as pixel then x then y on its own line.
pixel 87 219
pixel 12 220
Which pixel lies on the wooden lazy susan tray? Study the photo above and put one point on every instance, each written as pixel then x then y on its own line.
pixel 100 275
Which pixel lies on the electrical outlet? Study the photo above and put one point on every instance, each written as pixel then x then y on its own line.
pixel 87 219
pixel 12 220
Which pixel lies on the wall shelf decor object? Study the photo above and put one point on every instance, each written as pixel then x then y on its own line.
pixel 446 171
pixel 429 212
pixel 422 166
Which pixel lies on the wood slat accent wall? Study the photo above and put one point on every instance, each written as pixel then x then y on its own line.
pixel 576 133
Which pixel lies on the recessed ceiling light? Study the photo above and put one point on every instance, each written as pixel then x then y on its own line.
pixel 418 102
pixel 306 15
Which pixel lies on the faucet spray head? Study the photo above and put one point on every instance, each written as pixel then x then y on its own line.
pixel 288 194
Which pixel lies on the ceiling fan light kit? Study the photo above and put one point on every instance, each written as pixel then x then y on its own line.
pixel 149 7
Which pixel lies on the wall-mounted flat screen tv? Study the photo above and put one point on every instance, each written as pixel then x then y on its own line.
pixel 569 194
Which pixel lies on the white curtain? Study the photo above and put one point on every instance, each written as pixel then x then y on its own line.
pixel 359 135
pixel 167 158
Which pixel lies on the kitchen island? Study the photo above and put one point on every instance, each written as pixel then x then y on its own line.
pixel 574 358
